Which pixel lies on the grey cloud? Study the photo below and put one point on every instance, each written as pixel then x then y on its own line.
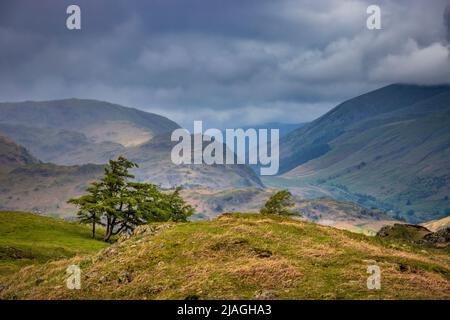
pixel 220 61
pixel 447 21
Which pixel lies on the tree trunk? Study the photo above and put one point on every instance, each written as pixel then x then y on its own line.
pixel 108 235
pixel 93 227
pixel 110 228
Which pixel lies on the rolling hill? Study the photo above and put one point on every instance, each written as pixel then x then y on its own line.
pixel 77 132
pixel 435 225
pixel 26 184
pixel 32 239
pixel 388 148
pixel 155 165
pixel 241 256
pixel 13 155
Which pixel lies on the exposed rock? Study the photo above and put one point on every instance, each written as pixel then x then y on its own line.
pixel 439 237
pixel 410 232
pixel 144 230
pixel 416 234
pixel 264 294
pixel 125 277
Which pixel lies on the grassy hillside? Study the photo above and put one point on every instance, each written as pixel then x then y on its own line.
pixel 242 256
pixel 31 239
pixel 325 211
pixel 312 140
pixel 388 148
pixel 436 225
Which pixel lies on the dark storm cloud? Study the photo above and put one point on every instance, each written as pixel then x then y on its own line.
pixel 447 21
pixel 219 61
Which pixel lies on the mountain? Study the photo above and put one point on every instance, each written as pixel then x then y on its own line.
pixel 240 256
pixel 44 188
pixel 27 184
pixel 284 128
pixel 12 155
pixel 30 185
pixel 155 165
pixel 436 225
pixel 388 148
pixel 76 132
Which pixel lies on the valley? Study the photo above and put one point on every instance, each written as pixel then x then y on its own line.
pixel 384 150
pixel 373 163
pixel 387 149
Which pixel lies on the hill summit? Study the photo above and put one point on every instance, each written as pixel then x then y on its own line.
pixel 241 256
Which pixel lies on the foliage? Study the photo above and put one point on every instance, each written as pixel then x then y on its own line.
pixel 279 204
pixel 121 205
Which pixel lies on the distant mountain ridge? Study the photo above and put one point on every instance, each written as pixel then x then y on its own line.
pixel 12 155
pixel 316 135
pixel 28 184
pixel 80 131
pixel 155 164
pixel 75 114
pixel 284 128
pixel 388 148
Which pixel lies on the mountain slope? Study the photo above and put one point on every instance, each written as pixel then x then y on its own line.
pixel 30 239
pixel 155 165
pixel 29 185
pixel 45 188
pixel 26 184
pixel 12 155
pixel 436 225
pixel 284 128
pixel 77 131
pixel 388 148
pixel 242 256
pixel 311 140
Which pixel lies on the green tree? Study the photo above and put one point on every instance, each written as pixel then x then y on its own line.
pixel 279 203
pixel 89 211
pixel 121 205
pixel 115 195
pixel 179 210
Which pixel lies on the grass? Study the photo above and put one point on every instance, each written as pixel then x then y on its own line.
pixel 242 256
pixel 27 239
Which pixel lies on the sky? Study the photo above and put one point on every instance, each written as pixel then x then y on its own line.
pixel 229 63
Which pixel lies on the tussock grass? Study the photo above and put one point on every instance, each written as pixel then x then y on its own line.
pixel 242 256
